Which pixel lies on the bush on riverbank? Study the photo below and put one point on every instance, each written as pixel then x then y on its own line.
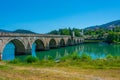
pixel 31 59
pixel 15 61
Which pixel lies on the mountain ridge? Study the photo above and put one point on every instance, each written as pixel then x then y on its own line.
pixel 108 25
pixel 18 31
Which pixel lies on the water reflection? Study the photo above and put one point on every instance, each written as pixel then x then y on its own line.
pixel 8 52
pixel 34 50
pixel 95 50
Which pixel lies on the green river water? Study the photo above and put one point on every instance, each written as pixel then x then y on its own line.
pixel 95 50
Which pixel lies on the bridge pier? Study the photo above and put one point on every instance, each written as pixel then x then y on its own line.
pixel 0 56
pixel 47 48
pixel 28 51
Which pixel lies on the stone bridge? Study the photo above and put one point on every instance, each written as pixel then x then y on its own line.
pixel 23 42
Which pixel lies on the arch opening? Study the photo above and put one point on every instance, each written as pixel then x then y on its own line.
pixel 78 42
pixel 69 42
pixel 39 45
pixel 52 44
pixel 19 47
pixel 62 43
pixel 74 41
pixel 12 48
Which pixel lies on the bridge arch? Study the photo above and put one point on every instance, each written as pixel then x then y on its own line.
pixel 78 41
pixel 62 43
pixel 69 42
pixel 19 46
pixel 39 45
pixel 74 41
pixel 52 43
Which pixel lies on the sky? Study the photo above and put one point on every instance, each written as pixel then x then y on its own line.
pixel 42 16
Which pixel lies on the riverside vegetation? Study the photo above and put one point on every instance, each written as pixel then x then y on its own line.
pixel 83 61
pixel 108 35
pixel 69 67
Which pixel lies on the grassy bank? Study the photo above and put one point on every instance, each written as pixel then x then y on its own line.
pixel 15 72
pixel 69 67
pixel 75 60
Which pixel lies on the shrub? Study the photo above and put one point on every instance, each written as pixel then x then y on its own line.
pixel 85 57
pixel 117 58
pixel 75 56
pixel 31 59
pixel 64 58
pixel 109 57
pixel 50 57
pixel 15 61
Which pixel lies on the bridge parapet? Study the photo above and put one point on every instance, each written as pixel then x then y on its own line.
pixel 3 34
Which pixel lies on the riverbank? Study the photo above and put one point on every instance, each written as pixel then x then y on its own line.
pixel 93 40
pixel 70 67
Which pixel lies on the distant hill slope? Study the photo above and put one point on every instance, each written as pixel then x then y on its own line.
pixel 18 31
pixel 1 30
pixel 106 26
pixel 24 31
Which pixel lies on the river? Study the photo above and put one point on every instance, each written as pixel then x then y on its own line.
pixel 95 50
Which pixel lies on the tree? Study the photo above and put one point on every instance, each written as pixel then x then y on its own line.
pixel 113 37
pixel 54 32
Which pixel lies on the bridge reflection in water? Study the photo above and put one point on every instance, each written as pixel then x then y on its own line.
pixel 8 53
